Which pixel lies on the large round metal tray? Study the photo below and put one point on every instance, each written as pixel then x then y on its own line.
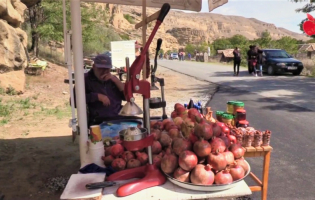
pixel 206 188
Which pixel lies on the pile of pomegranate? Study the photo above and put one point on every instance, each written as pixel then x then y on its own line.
pixel 192 149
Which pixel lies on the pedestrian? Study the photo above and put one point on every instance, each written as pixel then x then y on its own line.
pixel 260 61
pixel 248 61
pixel 253 60
pixel 189 56
pixel 237 60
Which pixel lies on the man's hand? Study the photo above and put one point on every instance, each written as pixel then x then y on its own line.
pixel 107 77
pixel 104 99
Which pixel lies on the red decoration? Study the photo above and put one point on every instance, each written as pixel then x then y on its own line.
pixel 309 25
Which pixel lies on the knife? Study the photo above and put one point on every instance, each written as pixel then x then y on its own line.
pixel 99 185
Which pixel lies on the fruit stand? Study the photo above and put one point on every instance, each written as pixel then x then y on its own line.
pixel 191 155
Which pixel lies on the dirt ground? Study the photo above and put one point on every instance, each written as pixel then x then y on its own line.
pixel 37 155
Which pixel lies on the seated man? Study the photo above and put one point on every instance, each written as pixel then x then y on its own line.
pixel 104 91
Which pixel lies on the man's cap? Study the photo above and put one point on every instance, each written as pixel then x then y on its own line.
pixel 103 61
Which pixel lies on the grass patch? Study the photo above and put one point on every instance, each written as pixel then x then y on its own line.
pixel 124 36
pixel 129 18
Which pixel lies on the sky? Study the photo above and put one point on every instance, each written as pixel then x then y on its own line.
pixel 281 13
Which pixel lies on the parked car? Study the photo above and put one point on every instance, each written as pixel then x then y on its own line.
pixel 278 61
pixel 174 56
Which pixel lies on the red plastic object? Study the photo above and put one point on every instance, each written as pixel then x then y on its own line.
pixel 150 176
pixel 138 145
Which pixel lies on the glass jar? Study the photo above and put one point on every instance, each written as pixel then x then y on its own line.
pixel 242 123
pixel 218 115
pixel 230 107
pixel 237 105
pixel 227 118
pixel 240 115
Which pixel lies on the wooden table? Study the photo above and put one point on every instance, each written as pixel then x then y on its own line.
pixel 265 152
pixel 169 191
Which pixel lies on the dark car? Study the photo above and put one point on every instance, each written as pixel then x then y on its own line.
pixel 278 61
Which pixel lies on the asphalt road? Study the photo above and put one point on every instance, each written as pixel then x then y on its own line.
pixel 282 104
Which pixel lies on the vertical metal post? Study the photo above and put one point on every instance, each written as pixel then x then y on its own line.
pixel 146 120
pixel 79 78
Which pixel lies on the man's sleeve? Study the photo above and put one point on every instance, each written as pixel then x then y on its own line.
pixel 90 96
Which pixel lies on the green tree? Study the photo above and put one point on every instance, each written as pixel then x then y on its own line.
pixel 46 20
pixel 221 44
pixel 287 43
pixel 190 48
pixel 238 40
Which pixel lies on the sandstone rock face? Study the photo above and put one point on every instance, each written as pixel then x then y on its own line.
pixel 13 42
pixel 179 28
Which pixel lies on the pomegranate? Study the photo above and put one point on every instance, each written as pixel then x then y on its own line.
pixel 187 128
pixel 216 129
pixel 181 111
pixel 158 125
pixel 181 175
pixel 165 139
pixel 133 163
pixel 107 151
pixel 226 130
pixel 204 131
pixel 226 140
pixel 237 172
pixel 165 121
pixel 237 150
pixel 169 126
pixel 156 133
pixel 156 159
pixel 202 175
pixel 116 150
pixel 202 148
pixel 118 164
pixel 180 144
pixel 178 121
pixel 156 147
pixel 217 161
pixel 243 164
pixel 127 155
pixel 217 144
pixel 152 123
pixel 192 112
pixel 229 157
pixel 232 139
pixel 187 160
pixel 142 157
pixel 178 105
pixel 192 138
pixel 108 160
pixel 169 163
pixel 174 115
pixel 223 177
pixel 173 133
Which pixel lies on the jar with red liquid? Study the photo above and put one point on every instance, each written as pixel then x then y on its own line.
pixel 242 123
pixel 240 115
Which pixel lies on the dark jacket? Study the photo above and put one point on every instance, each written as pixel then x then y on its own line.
pixel 252 54
pixel 237 55
pixel 96 109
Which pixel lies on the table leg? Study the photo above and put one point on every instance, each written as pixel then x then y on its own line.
pixel 265 175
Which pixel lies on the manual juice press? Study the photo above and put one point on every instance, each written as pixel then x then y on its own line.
pixel 157 102
pixel 149 175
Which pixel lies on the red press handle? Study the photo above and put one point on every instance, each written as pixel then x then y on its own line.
pixel 164 10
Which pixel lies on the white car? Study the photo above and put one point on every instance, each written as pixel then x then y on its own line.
pixel 174 56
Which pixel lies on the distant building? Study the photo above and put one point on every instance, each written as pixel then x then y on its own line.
pixel 225 55
pixel 306 50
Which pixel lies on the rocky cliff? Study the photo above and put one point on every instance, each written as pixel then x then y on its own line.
pixel 180 28
pixel 13 42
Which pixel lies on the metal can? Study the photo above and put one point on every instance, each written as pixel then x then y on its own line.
pixel 230 107
pixel 95 133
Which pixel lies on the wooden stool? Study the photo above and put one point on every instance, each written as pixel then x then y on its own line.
pixel 264 151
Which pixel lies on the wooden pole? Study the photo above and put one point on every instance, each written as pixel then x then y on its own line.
pixel 144 34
